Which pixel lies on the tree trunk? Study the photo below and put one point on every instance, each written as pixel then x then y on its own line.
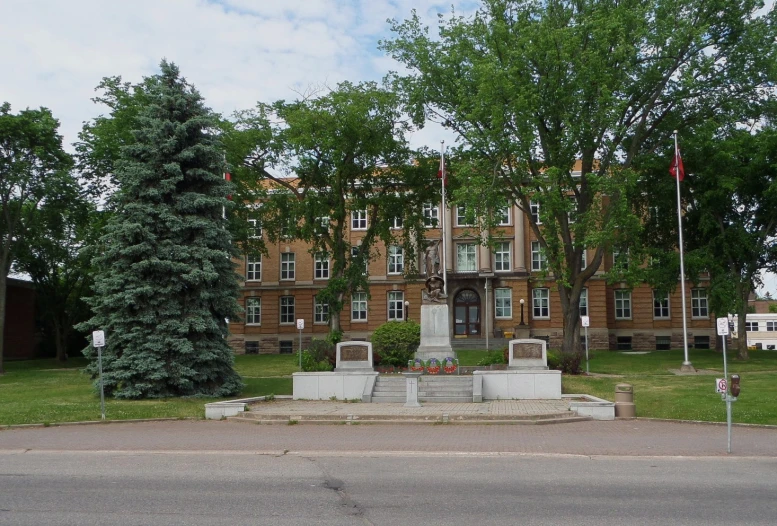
pixel 570 346
pixel 742 332
pixel 3 286
pixel 60 341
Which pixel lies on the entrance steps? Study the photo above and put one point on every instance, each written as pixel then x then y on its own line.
pixel 431 388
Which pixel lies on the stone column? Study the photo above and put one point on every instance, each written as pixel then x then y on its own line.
pixel 412 389
pixel 449 252
pixel 484 253
pixel 519 251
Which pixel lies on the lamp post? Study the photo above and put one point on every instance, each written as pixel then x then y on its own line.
pixel 522 323
pixel 407 310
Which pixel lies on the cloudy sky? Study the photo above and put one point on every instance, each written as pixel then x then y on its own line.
pixel 236 52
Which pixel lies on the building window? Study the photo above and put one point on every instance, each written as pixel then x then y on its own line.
pixel 286 347
pixel 396 223
pixel 320 311
pixel 541 303
pixel 771 326
pixel 465 257
pixel 751 326
pixel 359 306
pixel 321 266
pixel 538 260
pixel 431 215
pixel 252 347
pixel 622 304
pixel 355 255
pixel 287 265
pixel 287 309
pixel 701 342
pixel 359 220
pixel 503 215
pixel 584 302
pixel 461 216
pixel 254 268
pixel 396 260
pixel 502 257
pixel 396 306
pixel 663 343
pixel 699 303
pixel 573 209
pixel 323 222
pixel 254 227
pixel 660 304
pixel 253 311
pixel 620 259
pixel 503 302
pixel 623 343
pixel 583 259
pixel 534 208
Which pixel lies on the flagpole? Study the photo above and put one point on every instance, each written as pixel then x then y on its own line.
pixel 442 222
pixel 687 366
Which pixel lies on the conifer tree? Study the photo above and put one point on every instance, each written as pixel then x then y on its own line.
pixel 166 284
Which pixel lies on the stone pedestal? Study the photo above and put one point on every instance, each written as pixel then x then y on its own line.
pixel 435 333
pixel 354 356
pixel 412 389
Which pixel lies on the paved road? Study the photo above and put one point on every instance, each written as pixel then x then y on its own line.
pixel 620 437
pixel 195 488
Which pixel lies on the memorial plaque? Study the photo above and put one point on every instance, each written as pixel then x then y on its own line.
pixel 354 353
pixel 528 350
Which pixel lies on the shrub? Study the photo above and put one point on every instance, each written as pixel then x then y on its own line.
pixel 553 361
pixel 395 342
pixel 310 365
pixel 323 350
pixel 492 357
pixel 570 362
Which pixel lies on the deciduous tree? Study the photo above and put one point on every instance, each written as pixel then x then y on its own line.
pixel 535 86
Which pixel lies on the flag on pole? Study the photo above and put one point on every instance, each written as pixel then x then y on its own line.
pixel 228 178
pixel 676 168
pixel 441 173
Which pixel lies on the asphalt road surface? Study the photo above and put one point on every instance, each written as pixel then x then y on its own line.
pixel 192 488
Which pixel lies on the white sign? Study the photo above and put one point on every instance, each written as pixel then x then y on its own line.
pixel 586 321
pixel 300 324
pixel 720 385
pixel 98 338
pixel 722 326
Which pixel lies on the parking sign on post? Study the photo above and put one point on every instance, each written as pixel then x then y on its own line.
pixel 300 327
pixel 98 341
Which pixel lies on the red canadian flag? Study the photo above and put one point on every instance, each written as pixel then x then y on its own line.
pixel 441 174
pixel 228 178
pixel 676 168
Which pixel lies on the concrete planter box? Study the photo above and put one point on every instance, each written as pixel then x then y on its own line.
pixel 523 384
pixel 338 385
pixel 587 405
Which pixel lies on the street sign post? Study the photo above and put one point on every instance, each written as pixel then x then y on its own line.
pixel 586 321
pixel 98 340
pixel 300 328
pixel 722 383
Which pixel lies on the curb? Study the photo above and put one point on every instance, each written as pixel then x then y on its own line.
pixel 93 422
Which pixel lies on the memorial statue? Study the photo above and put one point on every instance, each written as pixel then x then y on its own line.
pixel 434 290
pixel 432 259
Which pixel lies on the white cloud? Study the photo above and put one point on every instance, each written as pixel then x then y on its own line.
pixel 236 52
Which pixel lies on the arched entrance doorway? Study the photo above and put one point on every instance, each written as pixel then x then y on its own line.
pixel 466 309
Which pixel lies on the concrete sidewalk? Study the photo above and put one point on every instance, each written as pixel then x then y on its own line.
pixel 630 438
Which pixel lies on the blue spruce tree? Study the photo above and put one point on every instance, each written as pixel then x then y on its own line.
pixel 166 283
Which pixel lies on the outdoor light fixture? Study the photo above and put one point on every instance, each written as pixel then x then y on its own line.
pixel 407 310
pixel 522 302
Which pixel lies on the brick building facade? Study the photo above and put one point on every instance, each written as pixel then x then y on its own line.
pixel 485 288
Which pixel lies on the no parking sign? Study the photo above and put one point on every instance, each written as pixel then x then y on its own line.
pixel 721 386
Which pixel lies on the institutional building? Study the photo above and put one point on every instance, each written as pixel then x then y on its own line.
pixel 493 292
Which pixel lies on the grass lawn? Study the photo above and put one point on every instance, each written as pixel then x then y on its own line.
pixel 44 391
